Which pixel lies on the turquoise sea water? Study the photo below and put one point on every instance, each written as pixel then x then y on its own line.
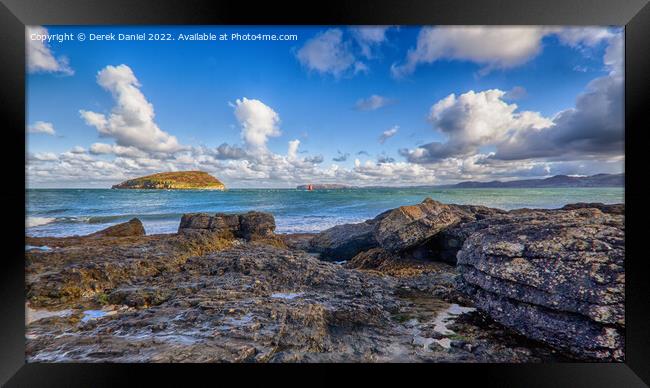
pixel 66 212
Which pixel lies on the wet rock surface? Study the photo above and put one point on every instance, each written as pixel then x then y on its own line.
pixel 553 276
pixel 257 303
pixel 227 289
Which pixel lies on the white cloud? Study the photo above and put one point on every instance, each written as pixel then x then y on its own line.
pixel 614 58
pixel 42 127
pixel 491 46
pixel 44 156
pixel 373 102
pixel 369 38
pixel 292 152
pixel 594 127
pixel 131 122
pixel 328 53
pixel 225 152
pixel 40 58
pixel 583 36
pixel 103 148
pixel 471 121
pixel 258 122
pixel 388 134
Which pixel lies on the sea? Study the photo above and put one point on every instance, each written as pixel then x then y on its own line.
pixel 68 212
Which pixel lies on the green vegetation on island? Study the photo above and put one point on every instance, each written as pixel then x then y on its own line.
pixel 179 180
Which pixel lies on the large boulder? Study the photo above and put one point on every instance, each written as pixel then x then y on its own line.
pixel 251 225
pixel 553 276
pixel 343 242
pixel 616 208
pixel 195 221
pixel 407 228
pixel 256 224
pixel 131 228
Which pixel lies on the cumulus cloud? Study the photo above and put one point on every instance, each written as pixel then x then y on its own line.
pixel 583 36
pixel 373 102
pixel 44 156
pixel 337 53
pixel 369 38
pixel 40 58
pixel 292 152
pixel 491 46
pixel 387 134
pixel 103 148
pixel 473 120
pixel 258 122
pixel 328 53
pixel 225 151
pixel 593 127
pixel 131 122
pixel 42 127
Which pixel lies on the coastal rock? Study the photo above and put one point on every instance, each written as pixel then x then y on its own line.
pixel 198 296
pixel 251 225
pixel 91 266
pixel 408 226
pixel 247 302
pixel 256 224
pixel 617 208
pixel 343 242
pixel 554 276
pixel 373 258
pixel 195 221
pixel 131 228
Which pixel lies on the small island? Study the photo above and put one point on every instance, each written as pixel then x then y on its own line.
pixel 179 180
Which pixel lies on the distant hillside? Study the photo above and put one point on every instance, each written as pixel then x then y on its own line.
pixel 324 186
pixel 598 180
pixel 179 180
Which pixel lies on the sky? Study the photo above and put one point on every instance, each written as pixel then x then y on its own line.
pixel 358 105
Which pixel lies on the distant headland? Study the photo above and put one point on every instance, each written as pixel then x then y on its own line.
pixel 556 181
pixel 179 180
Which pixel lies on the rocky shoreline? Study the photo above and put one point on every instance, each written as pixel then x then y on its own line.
pixel 430 282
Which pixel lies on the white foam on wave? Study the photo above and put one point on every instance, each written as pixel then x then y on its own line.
pixel 38 221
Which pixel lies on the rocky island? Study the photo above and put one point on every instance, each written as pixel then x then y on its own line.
pixel 178 180
pixel 429 282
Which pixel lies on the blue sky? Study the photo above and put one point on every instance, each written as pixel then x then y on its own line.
pixel 509 103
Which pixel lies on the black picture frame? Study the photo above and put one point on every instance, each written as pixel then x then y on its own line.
pixel 633 14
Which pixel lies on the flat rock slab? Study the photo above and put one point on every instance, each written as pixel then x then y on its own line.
pixel 554 276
